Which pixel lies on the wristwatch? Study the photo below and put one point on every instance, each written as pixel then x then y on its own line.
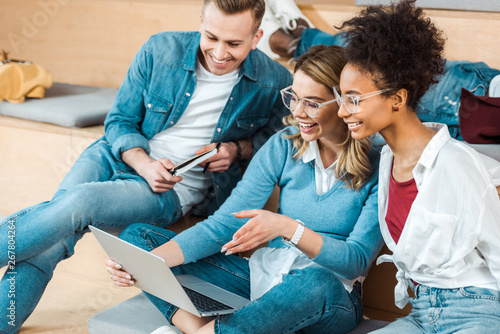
pixel 238 149
pixel 296 236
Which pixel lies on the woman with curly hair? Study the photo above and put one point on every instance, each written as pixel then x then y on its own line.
pixel 323 239
pixel 439 210
pixel 440 104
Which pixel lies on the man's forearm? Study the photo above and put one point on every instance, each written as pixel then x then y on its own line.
pixel 136 158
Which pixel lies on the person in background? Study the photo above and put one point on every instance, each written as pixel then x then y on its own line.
pixel 183 92
pixel 440 103
pixel 439 211
pixel 322 240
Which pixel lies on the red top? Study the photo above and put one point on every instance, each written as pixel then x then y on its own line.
pixel 401 197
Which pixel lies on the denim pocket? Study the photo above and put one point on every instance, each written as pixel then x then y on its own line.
pixel 157 114
pixel 480 293
pixel 251 122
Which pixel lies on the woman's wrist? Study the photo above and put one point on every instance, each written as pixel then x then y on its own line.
pixel 294 234
pixel 289 227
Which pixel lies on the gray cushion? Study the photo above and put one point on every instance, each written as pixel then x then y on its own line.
pixel 66 105
pixel 368 325
pixel 491 150
pixel 138 315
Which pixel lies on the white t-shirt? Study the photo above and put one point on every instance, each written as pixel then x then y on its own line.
pixel 195 129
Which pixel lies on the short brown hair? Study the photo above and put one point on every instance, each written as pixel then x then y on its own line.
pixel 231 7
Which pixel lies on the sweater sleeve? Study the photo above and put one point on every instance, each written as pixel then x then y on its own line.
pixel 252 192
pixel 352 257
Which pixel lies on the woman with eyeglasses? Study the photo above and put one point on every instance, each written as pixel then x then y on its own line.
pixel 322 240
pixel 439 210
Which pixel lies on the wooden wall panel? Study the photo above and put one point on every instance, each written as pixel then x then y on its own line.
pixel 473 36
pixel 92 42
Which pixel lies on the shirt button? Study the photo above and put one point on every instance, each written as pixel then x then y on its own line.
pixel 251 125
pixel 149 105
pixel 231 98
pixel 171 122
pixel 219 129
pixel 187 94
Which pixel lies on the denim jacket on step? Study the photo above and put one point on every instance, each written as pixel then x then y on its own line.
pixel 441 103
pixel 157 90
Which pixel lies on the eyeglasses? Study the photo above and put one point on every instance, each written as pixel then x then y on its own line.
pixel 310 107
pixel 351 101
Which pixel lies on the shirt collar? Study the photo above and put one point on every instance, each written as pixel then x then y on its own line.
pixel 311 152
pixel 435 144
pixel 191 54
pixel 249 66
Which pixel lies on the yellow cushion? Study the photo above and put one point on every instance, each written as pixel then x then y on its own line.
pixel 18 81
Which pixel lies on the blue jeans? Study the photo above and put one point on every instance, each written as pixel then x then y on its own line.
pixel 311 300
pixel 466 310
pixel 98 190
pixel 441 103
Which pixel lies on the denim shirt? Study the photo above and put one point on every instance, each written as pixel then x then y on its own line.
pixel 157 90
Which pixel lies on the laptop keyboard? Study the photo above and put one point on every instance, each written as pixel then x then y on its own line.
pixel 205 303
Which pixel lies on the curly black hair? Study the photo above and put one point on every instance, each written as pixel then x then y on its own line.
pixel 398 45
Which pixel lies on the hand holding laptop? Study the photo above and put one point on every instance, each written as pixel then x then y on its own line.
pixel 119 276
pixel 152 274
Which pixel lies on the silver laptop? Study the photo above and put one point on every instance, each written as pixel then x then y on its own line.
pixel 153 275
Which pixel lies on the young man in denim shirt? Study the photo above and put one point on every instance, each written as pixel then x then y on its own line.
pixel 184 92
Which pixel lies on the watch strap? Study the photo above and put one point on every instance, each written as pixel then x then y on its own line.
pixel 238 148
pixel 297 235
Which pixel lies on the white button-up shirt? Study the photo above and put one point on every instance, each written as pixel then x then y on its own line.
pixel 451 238
pixel 325 176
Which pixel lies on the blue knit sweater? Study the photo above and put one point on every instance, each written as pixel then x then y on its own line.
pixel 347 219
